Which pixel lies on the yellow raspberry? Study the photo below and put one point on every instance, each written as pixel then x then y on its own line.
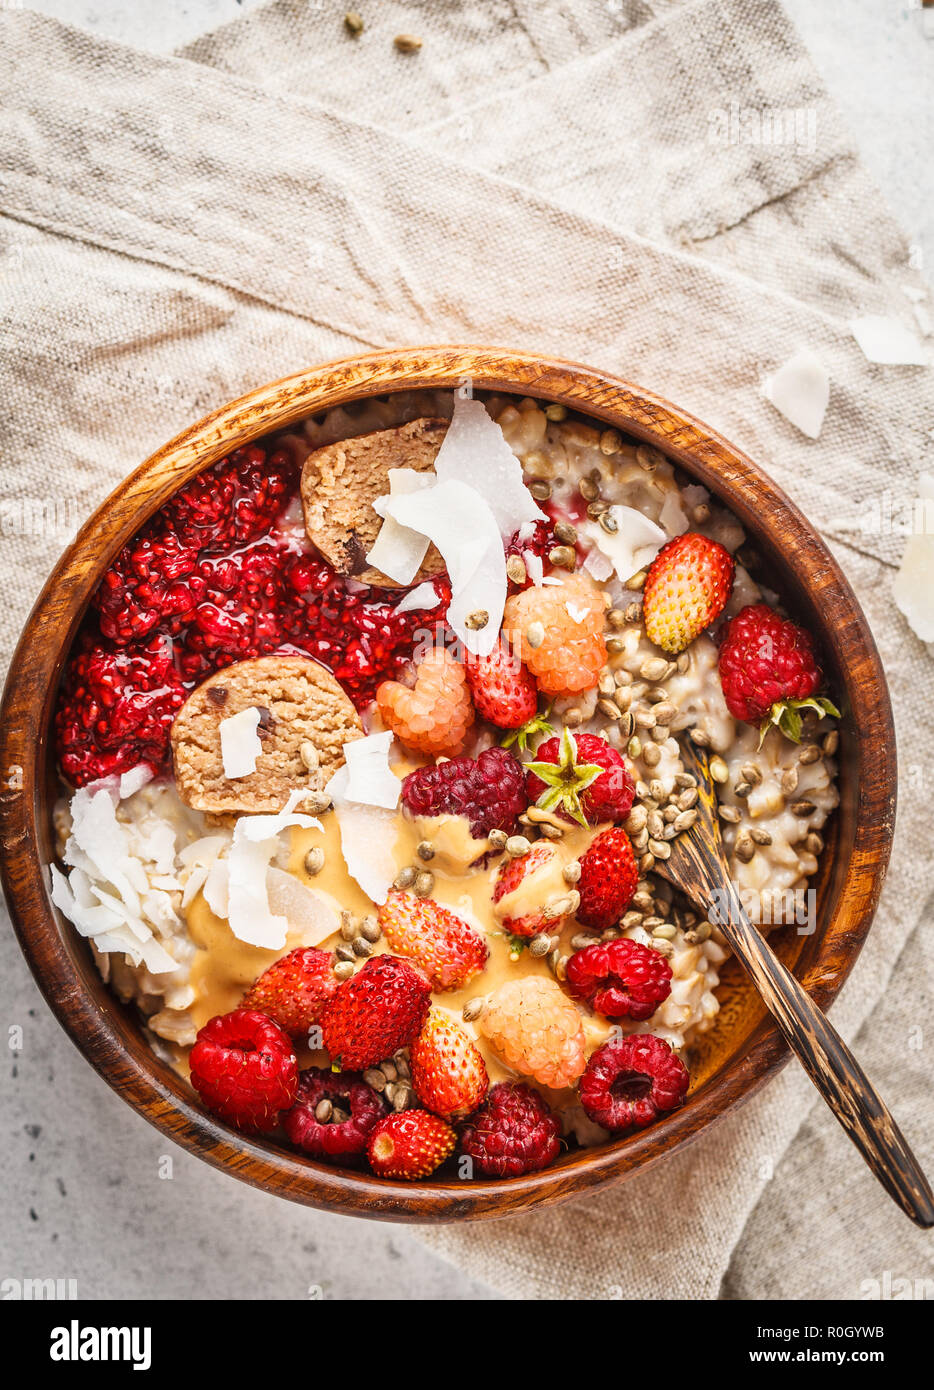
pixel 536 1030
pixel 559 632
pixel 435 715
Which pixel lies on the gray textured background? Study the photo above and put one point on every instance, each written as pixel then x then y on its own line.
pixel 85 1198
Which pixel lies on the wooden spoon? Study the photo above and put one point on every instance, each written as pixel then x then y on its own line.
pixel 698 867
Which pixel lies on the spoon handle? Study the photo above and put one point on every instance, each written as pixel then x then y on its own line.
pixel 829 1063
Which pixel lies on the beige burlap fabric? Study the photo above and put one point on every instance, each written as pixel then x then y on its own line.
pixel 589 179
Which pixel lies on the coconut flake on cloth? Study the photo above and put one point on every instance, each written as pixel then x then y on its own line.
pixel 913 589
pixel 889 342
pixel 800 390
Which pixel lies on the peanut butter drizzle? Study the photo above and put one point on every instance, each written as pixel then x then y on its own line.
pixel 224 967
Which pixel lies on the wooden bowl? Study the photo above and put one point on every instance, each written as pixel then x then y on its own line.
pixel 742 1050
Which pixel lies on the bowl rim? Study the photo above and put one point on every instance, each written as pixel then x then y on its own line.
pixel 50 628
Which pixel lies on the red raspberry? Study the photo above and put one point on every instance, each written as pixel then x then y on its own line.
pixel 502 689
pixel 512 1133
pixel 686 588
pixel 444 946
pixel 609 875
pixel 294 990
pixel 581 778
pixel 448 1073
pixel 620 979
pixel 538 875
pixel 410 1145
pixel 116 708
pixel 333 1138
pixel 375 1012
pixel 768 670
pixel 489 791
pixel 630 1081
pixel 244 1069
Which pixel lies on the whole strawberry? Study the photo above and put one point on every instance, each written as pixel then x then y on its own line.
pixel 620 979
pixel 489 791
pixel 448 1073
pixel 769 671
pixel 512 1133
pixel 686 588
pixel 503 690
pixel 442 944
pixel 580 778
pixel 609 875
pixel 376 1011
pixel 528 889
pixel 244 1069
pixel 294 990
pixel 410 1145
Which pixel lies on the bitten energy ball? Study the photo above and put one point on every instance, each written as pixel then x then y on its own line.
pixel 304 720
pixel 340 483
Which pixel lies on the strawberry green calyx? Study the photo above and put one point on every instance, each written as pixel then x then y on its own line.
pixel 565 780
pixel 532 728
pixel 785 716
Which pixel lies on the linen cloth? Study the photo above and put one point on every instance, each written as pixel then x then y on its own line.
pixel 544 176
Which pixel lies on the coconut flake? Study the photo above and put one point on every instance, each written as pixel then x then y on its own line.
pixel 422 596
pixel 913 589
pixel 398 551
pixel 888 341
pixel 99 844
pixel 673 517
pixel 800 390
pixel 203 851
pixel 368 839
pixel 255 841
pixel 134 780
pixel 598 565
pixel 105 923
pixel 633 545
pixel 304 909
pixel 217 889
pixel 474 449
pixel 463 528
pixel 535 567
pixel 371 781
pixel 240 743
